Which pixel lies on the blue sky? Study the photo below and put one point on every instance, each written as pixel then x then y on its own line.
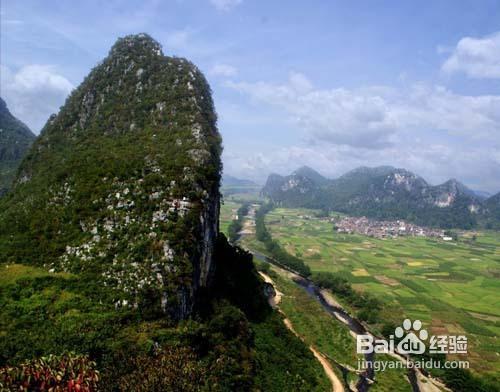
pixel 330 84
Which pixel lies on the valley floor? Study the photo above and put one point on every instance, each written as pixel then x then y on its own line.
pixel 452 287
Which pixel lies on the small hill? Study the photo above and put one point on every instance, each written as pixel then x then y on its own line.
pixel 313 175
pixel 295 190
pixel 123 182
pixel 15 140
pixel 230 181
pixel 492 205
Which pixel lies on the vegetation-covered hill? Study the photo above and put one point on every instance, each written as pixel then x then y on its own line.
pixel 123 182
pixel 110 256
pixel 493 208
pixel 384 193
pixel 15 139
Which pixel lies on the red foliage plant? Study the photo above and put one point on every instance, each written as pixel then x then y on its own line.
pixel 55 373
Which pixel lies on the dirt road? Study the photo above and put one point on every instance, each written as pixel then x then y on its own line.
pixel 337 385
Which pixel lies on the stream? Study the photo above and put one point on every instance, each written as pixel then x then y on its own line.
pixel 366 377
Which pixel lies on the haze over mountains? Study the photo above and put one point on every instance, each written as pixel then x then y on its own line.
pixel 15 139
pixel 229 181
pixel 384 192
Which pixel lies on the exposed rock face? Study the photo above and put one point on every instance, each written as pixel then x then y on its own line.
pixel 15 139
pixel 125 181
pixel 446 194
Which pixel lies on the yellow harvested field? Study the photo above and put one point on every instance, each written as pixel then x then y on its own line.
pixel 360 272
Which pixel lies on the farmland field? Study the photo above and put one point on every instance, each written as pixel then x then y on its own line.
pixel 453 287
pixel 227 214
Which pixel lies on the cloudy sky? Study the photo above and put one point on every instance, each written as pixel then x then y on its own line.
pixel 331 84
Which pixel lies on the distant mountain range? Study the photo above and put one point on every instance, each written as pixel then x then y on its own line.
pixel 229 181
pixel 233 185
pixel 386 192
pixel 15 139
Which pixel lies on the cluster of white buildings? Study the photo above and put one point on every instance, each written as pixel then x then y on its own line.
pixel 385 229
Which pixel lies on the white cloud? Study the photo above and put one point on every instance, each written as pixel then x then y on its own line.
pixel 300 83
pixel 476 57
pixel 225 5
pixel 283 160
pixel 377 117
pixel 223 70
pixel 33 93
pixel 425 128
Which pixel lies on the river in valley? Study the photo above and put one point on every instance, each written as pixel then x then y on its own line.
pixel 366 376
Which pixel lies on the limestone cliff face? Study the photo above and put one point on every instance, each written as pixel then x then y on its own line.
pixel 123 183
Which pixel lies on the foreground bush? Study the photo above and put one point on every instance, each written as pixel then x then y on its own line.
pixel 64 373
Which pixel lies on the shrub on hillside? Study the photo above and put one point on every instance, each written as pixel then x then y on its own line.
pixel 64 373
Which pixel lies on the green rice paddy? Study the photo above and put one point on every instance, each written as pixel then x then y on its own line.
pixel 453 288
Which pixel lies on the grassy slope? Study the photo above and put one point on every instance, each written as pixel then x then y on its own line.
pixel 316 326
pixel 37 308
pixel 283 360
pixel 453 288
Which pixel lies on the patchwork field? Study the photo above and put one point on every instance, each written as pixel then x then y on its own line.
pixel 453 287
